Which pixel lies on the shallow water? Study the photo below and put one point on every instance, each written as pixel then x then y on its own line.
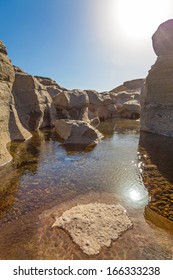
pixel 45 178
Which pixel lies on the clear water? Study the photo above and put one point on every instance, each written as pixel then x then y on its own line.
pixel 45 178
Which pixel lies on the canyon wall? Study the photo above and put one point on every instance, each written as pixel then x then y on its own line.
pixel 29 103
pixel 157 92
pixel 10 125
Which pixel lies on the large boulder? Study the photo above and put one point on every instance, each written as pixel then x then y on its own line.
pixel 72 104
pixel 101 105
pixel 131 109
pixel 10 125
pixel 33 102
pixel 120 98
pixel 162 39
pixel 76 132
pixel 157 92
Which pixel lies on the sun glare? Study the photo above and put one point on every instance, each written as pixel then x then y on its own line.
pixel 139 18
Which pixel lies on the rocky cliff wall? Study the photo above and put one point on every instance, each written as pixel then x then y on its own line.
pixel 157 92
pixel 10 125
pixel 33 102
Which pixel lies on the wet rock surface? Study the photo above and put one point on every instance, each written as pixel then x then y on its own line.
pixel 94 225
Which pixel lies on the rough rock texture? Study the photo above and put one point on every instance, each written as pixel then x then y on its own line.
pixel 52 87
pixel 157 93
pixel 10 126
pixel 33 103
pixel 101 105
pixel 108 105
pixel 72 105
pixel 131 109
pixel 105 105
pixel 94 225
pixel 114 104
pixel 77 132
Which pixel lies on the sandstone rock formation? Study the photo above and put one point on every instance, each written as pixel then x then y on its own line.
pixel 129 86
pixel 100 105
pixel 162 39
pixel 29 103
pixel 10 126
pixel 110 104
pixel 52 87
pixel 131 109
pixel 72 104
pixel 33 103
pixel 94 225
pixel 157 93
pixel 75 132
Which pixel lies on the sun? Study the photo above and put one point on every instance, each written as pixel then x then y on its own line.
pixel 139 18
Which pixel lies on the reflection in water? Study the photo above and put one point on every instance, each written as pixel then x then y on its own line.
pixel 156 152
pixel 110 127
pixel 135 195
pixel 44 174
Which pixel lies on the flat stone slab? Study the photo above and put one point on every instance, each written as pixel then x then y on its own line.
pixel 94 225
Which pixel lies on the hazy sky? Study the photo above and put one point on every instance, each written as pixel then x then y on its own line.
pixel 95 44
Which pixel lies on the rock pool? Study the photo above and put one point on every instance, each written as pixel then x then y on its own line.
pixel 45 178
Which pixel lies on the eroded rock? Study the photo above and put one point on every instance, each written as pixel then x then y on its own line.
pixel 77 132
pixel 33 103
pixel 93 226
pixel 157 92
pixel 52 86
pixel 129 86
pixel 162 39
pixel 10 125
pixel 101 105
pixel 72 105
pixel 131 109
pixel 108 105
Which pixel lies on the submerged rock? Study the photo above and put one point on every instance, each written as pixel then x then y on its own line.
pixel 77 132
pixel 93 226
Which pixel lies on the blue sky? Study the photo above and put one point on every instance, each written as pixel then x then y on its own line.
pixel 81 43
